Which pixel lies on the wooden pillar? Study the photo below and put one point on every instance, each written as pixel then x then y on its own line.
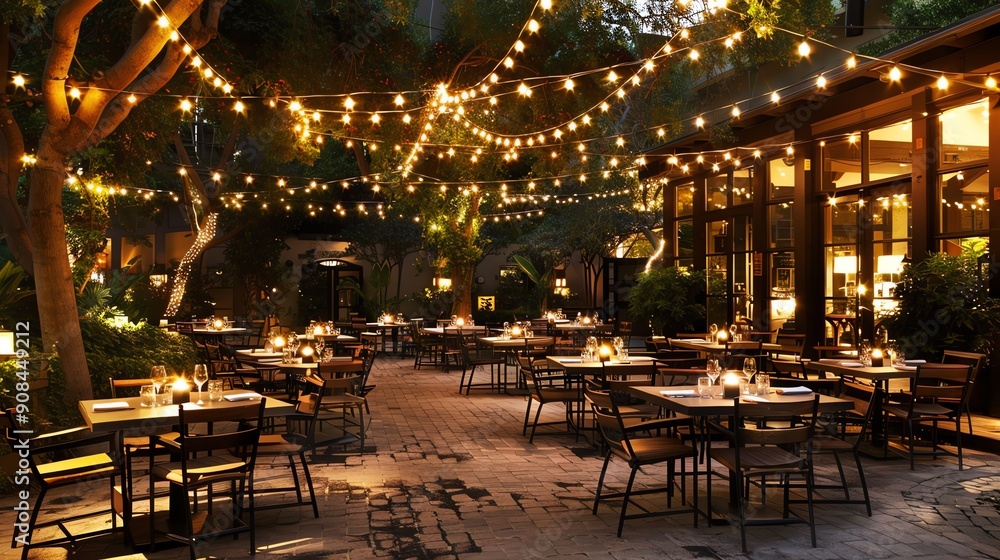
pixel 669 224
pixel 760 281
pixel 699 236
pixel 923 200
pixel 807 223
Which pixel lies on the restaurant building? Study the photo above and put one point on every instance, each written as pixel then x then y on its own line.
pixel 845 181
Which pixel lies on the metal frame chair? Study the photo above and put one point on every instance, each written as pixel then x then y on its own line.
pixel 70 464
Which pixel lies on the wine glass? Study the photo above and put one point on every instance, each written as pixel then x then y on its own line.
pixel 200 378
pixel 159 376
pixel 713 329
pixel 318 345
pixel 733 329
pixel 712 370
pixel 749 368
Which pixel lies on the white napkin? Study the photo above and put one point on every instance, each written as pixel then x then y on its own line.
pixel 111 406
pixel 905 367
pixel 753 398
pixel 619 362
pixel 241 397
pixel 851 364
pixel 677 392
pixel 571 361
pixel 914 362
pixel 800 390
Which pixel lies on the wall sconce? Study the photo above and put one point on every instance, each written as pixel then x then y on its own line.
pixel 6 344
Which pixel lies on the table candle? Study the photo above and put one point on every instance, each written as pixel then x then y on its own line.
pixel 730 385
pixel 181 390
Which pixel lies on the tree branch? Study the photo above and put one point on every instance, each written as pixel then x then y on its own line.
pixel 12 222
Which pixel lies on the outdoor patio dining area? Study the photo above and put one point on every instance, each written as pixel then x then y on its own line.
pixel 449 475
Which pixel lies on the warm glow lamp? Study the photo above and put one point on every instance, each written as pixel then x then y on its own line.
pixel 6 343
pixel 847 264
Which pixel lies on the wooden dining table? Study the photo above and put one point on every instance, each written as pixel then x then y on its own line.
pixel 129 418
pixel 684 399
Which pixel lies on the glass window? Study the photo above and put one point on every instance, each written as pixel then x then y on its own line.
pixel 841 271
pixel 889 151
pixel 842 163
pixel 782 234
pixel 684 245
pixel 892 217
pixel 782 304
pixel 962 200
pixel 955 246
pixel 742 186
pixel 717 238
pixel 781 177
pixel 965 134
pixel 684 195
pixel 717 196
pixel 842 220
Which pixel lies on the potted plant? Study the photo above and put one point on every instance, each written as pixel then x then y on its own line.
pixel 671 298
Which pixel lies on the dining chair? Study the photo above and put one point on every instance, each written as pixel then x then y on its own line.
pixel 932 384
pixel 344 405
pixel 224 456
pixel 550 386
pixel 735 352
pixel 974 359
pixel 623 438
pixel 428 349
pixel 762 434
pixel 71 457
pixel 859 419
pixel 475 357
pixel 299 437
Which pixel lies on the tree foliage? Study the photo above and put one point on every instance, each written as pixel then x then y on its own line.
pixel 671 298
pixel 943 305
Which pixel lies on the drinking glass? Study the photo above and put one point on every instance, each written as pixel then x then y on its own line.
pixel 147 395
pixel 763 384
pixel 705 387
pixel 749 368
pixel 713 329
pixel 713 370
pixel 215 390
pixel 733 329
pixel 318 346
pixel 159 376
pixel 200 378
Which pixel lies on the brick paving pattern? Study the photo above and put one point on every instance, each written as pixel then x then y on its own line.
pixel 449 476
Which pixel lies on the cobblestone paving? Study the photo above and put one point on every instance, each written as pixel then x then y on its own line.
pixel 450 476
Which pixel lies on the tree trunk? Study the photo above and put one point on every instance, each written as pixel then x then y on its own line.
pixel 462 291
pixel 186 266
pixel 60 322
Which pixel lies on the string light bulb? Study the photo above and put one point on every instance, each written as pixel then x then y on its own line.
pixel 804 49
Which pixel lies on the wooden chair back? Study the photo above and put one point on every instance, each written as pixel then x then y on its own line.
pixel 749 416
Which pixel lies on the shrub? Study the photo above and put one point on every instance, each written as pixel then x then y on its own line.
pixel 671 298
pixel 121 353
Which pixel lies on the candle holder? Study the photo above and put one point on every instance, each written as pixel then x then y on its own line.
pixel 181 391
pixel 880 358
pixel 730 386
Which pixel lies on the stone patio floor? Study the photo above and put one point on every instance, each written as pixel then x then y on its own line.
pixel 450 476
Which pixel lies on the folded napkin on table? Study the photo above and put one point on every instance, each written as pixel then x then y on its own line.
pixel 677 392
pixel 618 362
pixel 571 361
pixel 914 362
pixel 904 367
pixel 753 398
pixel 111 406
pixel 800 390
pixel 241 397
pixel 851 364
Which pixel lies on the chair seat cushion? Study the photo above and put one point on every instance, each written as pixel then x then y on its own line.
pixel 655 449
pixel 199 467
pixel 920 410
pixel 277 444
pixel 759 459
pixel 70 470
pixel 558 394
